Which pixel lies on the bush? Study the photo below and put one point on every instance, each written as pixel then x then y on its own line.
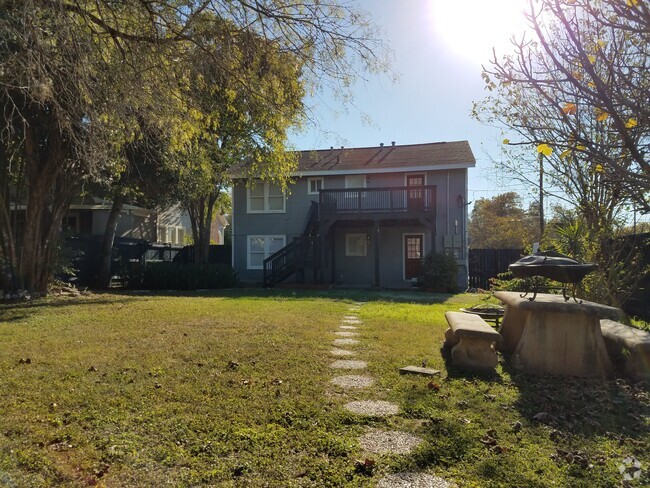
pixel 440 273
pixel 176 276
pixel 507 282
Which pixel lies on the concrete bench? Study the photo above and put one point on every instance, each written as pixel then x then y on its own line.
pixel 636 343
pixel 471 341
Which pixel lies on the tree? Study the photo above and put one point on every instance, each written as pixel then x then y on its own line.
pixel 146 168
pixel 578 93
pixel 501 223
pixel 68 69
pixel 246 125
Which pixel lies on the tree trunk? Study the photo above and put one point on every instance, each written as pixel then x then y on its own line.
pixel 201 211
pixel 106 255
pixel 47 199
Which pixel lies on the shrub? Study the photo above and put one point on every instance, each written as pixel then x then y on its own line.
pixel 176 276
pixel 440 272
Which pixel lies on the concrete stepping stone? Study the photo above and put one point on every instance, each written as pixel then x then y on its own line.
pixel 372 408
pixel 345 342
pixel 414 480
pixel 342 352
pixel 352 381
pixel 352 321
pixel 348 327
pixel 348 364
pixel 419 370
pixel 388 442
pixel 346 333
pixel 351 317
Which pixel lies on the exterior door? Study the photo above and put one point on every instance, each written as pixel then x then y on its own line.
pixel 415 197
pixel 413 248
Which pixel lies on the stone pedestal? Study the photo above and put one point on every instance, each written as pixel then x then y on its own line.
pixel 552 336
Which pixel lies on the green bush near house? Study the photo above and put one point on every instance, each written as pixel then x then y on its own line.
pixel 440 272
pixel 175 276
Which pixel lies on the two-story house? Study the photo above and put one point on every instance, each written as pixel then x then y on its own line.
pixel 355 216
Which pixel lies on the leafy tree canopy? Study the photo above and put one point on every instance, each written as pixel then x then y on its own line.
pixel 81 80
pixel 502 223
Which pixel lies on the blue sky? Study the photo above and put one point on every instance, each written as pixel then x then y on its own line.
pixel 438 48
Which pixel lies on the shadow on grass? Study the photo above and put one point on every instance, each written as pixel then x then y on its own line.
pixel 56 302
pixel 588 407
pixel 353 294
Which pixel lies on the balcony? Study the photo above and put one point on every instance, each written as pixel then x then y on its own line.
pixel 395 201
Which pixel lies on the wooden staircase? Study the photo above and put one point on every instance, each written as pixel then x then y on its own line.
pixel 297 256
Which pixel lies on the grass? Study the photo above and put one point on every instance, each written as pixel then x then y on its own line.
pixel 232 389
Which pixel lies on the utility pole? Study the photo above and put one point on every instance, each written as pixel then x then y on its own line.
pixel 541 196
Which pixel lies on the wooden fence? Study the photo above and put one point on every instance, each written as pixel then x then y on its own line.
pixel 84 255
pixel 488 263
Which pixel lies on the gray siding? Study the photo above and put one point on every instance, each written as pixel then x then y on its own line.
pixel 450 216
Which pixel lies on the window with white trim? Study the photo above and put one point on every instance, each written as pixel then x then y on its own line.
pixel 265 198
pixel 261 247
pixel 356 244
pixel 355 181
pixel 314 185
pixel 162 233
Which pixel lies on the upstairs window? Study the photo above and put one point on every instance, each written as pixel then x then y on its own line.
pixel 266 198
pixel 355 181
pixel 314 185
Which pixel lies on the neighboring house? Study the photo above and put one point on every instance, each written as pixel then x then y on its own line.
pixel 88 216
pixel 217 229
pixel 355 217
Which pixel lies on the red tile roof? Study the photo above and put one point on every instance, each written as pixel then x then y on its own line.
pixel 457 153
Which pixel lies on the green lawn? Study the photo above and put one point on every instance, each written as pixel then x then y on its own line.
pixel 232 389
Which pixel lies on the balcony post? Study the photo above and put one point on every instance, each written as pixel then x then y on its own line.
pixel 376 238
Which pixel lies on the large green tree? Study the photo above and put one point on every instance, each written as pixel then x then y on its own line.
pixel 76 76
pixel 245 125
pixel 502 223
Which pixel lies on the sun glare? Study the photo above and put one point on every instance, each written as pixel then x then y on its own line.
pixel 471 28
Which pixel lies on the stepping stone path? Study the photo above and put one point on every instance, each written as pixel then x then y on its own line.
pixel 413 480
pixel 342 352
pixel 376 441
pixel 353 381
pixel 346 334
pixel 348 364
pixel 384 442
pixel 374 409
pixel 351 321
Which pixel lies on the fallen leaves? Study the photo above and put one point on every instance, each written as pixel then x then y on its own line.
pixel 365 466
pixel 491 441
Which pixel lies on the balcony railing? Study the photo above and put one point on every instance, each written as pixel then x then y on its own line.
pixel 413 199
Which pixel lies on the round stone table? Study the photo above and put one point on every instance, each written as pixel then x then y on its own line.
pixel 552 336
